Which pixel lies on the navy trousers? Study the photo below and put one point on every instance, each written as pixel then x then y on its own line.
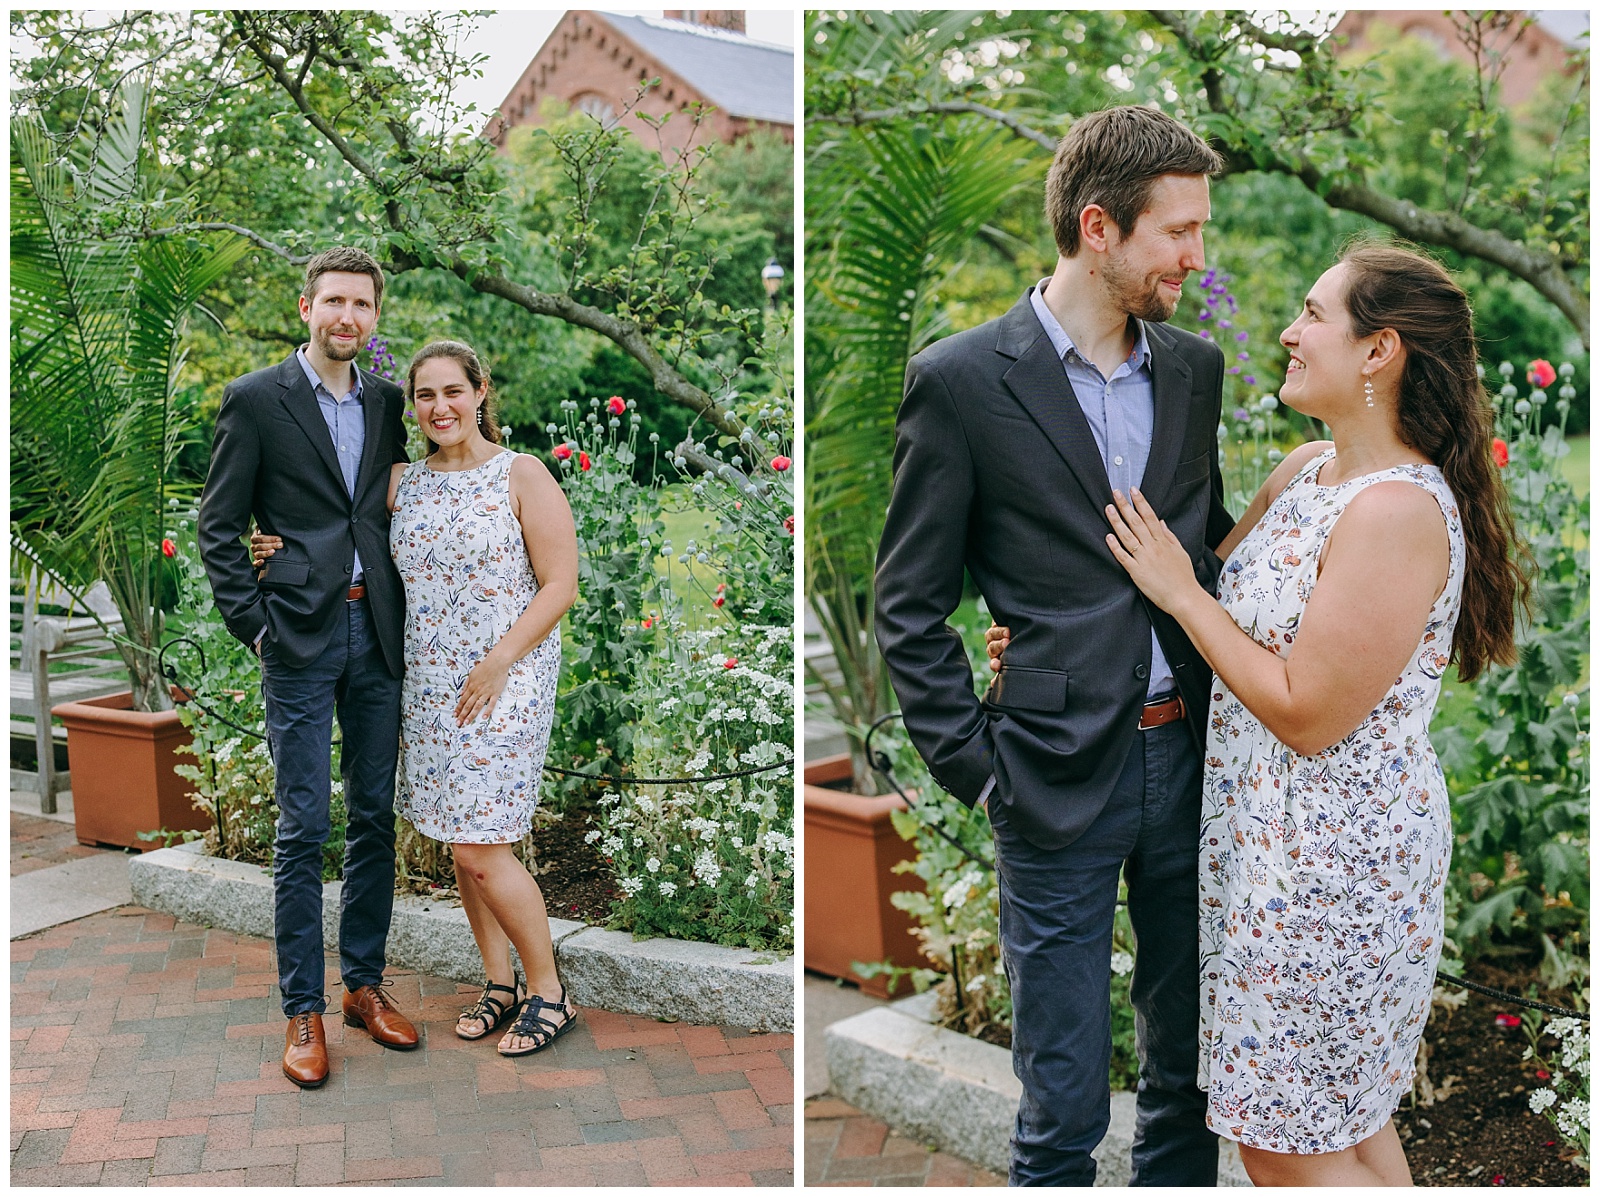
pixel 352 679
pixel 1056 910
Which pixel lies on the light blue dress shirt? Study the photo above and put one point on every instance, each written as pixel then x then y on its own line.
pixel 1121 411
pixel 346 422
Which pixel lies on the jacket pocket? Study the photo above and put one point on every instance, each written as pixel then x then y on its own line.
pixel 1192 470
pixel 1028 689
pixel 276 573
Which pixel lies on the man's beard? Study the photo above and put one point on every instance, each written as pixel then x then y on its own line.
pixel 1136 296
pixel 332 350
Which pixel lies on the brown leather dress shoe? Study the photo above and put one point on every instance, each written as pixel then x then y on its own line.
pixel 305 1051
pixel 371 1008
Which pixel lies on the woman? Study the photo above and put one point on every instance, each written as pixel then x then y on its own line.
pixel 1362 569
pixel 485 544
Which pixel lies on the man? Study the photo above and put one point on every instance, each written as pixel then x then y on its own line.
pixel 1085 749
pixel 305 448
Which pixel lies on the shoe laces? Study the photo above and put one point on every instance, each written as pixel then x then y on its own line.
pixel 378 994
pixel 302 1024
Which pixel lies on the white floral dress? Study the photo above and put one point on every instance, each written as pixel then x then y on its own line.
pixel 460 553
pixel 1321 878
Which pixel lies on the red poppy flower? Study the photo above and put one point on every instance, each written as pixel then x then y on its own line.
pixel 781 463
pixel 615 405
pixel 1502 455
pixel 647 624
pixel 563 452
pixel 1541 373
pixel 788 524
pixel 583 460
pixel 168 549
pixel 730 662
pixel 718 601
pixel 721 586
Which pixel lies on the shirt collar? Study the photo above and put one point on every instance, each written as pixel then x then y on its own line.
pixel 1062 343
pixel 316 381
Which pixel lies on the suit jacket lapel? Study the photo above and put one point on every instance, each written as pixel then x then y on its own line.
pixel 301 401
pixel 372 417
pixel 1039 382
pixel 1171 377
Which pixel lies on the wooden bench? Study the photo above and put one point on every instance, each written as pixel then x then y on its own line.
pixel 57 658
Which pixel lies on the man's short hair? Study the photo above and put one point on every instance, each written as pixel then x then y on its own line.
pixel 347 259
pixel 1112 158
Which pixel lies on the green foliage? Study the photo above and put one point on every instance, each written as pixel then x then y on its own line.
pixel 712 861
pixel 1519 768
pixel 97 320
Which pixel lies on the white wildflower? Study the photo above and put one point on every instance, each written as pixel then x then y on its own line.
pixel 631 885
pixel 653 865
pixel 706 867
pixel 1541 1100
pixel 592 837
pixel 667 889
pixel 1121 963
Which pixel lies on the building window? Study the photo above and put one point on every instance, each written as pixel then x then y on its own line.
pixel 598 107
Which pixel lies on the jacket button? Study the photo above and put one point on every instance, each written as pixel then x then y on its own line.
pixel 347 569
pixel 1141 672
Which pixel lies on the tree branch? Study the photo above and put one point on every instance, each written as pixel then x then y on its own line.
pixel 1541 270
pixel 944 107
pixel 223 226
pixel 625 334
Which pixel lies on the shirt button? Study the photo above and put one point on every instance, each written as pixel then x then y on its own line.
pixel 1117 460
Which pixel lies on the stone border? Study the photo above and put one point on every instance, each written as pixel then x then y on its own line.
pixel 664 978
pixel 957 1093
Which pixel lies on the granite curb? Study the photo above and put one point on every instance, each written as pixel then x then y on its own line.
pixel 664 978
pixel 957 1093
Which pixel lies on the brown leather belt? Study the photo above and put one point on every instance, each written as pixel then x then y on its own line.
pixel 1156 713
pixel 356 592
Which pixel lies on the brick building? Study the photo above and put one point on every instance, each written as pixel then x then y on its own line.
pixel 1532 54
pixel 594 61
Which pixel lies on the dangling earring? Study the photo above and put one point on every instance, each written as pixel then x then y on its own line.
pixel 1370 403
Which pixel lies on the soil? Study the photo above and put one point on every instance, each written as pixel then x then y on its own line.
pixel 577 881
pixel 1483 1133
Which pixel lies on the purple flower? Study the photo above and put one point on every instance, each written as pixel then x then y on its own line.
pixel 1241 336
pixel 1225 324
pixel 1205 334
pixel 1205 314
pixel 1242 356
pixel 1249 379
pixel 1234 370
pixel 1240 414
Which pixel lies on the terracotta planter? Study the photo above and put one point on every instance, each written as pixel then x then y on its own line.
pixel 122 777
pixel 851 846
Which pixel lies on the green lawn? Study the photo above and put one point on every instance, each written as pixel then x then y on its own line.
pixel 1575 465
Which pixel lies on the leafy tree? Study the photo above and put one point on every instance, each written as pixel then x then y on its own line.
pixel 296 128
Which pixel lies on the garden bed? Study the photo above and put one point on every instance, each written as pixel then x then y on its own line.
pixel 958 1092
pixel 665 978
pixel 1483 1133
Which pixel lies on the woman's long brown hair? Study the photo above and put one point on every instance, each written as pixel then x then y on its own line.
pixel 1446 415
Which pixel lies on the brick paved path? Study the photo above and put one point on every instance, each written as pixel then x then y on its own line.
pixel 147 1052
pixel 39 843
pixel 846 1147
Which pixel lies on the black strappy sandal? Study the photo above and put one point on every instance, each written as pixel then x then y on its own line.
pixel 491 1012
pixel 532 1024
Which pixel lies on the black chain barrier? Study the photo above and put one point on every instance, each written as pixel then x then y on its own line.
pixel 880 764
pixel 170 672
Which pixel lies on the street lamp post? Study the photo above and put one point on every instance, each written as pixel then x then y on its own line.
pixel 772 279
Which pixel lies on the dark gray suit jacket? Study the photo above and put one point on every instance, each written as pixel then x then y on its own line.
pixel 996 470
pixel 272 458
